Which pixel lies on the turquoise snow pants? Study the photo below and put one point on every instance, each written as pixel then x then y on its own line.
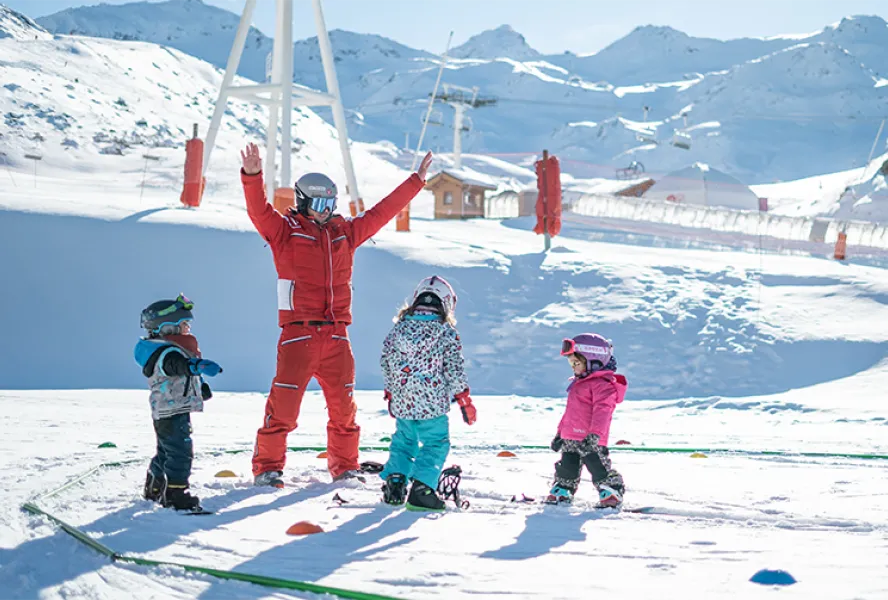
pixel 424 463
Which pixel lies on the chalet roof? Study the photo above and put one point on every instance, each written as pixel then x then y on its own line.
pixel 467 177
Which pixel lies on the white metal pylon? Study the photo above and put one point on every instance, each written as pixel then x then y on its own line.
pixel 281 96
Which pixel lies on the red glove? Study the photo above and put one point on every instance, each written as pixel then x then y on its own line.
pixel 387 396
pixel 465 405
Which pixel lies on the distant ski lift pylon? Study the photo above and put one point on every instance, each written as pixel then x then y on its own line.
pixel 681 139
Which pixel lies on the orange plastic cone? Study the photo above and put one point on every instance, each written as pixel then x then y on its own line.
pixel 623 443
pixel 323 454
pixel 304 528
pixel 506 454
pixel 226 473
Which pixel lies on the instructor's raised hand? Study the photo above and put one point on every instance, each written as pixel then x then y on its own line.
pixel 251 159
pixel 423 169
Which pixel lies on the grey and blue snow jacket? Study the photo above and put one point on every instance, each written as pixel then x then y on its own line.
pixel 175 389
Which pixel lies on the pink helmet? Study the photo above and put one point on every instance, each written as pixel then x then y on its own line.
pixel 593 347
pixel 438 286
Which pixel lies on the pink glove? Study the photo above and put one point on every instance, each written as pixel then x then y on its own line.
pixel 465 405
pixel 387 396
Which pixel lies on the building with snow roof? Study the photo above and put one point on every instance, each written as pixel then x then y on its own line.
pixel 459 193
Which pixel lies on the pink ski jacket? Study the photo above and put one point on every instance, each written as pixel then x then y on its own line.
pixel 590 405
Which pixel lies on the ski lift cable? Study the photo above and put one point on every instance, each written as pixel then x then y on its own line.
pixel 431 102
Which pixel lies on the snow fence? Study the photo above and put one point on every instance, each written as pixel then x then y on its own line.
pixel 804 229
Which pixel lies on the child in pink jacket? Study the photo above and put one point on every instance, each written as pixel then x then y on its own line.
pixel 593 393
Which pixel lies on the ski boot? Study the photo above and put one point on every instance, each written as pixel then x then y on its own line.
pixel 424 498
pixel 559 495
pixel 177 496
pixel 269 478
pixel 394 490
pixel 609 497
pixel 154 487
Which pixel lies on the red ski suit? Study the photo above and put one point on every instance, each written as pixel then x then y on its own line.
pixel 314 266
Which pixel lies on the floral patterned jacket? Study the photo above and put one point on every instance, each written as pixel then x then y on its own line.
pixel 423 367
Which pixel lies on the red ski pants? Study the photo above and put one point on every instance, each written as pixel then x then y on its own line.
pixel 305 351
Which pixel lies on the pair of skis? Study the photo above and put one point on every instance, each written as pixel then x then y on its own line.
pixel 628 509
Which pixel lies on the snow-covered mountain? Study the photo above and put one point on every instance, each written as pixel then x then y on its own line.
pixel 761 109
pixel 19 27
pixel 865 37
pixel 811 102
pixel 195 28
pixel 494 43
pixel 97 105
pixel 358 57
pixel 655 54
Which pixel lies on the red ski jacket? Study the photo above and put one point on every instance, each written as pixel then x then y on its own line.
pixel 314 262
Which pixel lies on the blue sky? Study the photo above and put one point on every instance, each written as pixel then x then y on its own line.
pixel 582 26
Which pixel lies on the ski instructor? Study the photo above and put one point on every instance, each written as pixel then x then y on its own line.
pixel 313 252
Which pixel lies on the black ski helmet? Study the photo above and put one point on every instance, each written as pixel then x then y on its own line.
pixel 166 312
pixel 311 186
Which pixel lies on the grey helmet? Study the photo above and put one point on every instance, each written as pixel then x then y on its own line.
pixel 316 191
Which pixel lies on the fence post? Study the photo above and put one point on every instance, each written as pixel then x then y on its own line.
pixel 546 239
pixel 841 243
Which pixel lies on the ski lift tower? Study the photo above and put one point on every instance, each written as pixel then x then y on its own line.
pixel 461 98
pixel 280 95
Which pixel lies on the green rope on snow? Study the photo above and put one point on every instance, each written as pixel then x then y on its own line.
pixel 87 540
pixel 788 453
pixel 306 449
pixel 498 447
pixel 70 529
pixel 257 579
pixel 739 452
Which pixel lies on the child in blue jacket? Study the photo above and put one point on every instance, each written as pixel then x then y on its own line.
pixel 170 358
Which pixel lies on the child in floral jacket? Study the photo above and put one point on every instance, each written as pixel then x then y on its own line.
pixel 423 369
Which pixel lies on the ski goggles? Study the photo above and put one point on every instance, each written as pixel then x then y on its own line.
pixel 184 302
pixel 569 346
pixel 320 204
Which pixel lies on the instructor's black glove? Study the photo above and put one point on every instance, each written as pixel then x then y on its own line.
pixel 556 444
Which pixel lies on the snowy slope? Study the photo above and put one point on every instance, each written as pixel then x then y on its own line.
pixel 867 198
pixel 385 86
pixel 721 518
pixel 691 330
